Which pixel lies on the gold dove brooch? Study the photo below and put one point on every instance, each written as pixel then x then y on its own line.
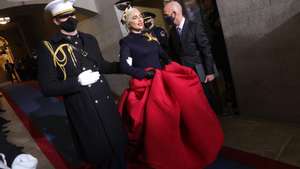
pixel 150 37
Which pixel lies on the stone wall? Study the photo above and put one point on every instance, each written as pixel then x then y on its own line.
pixel 261 38
pixel 85 4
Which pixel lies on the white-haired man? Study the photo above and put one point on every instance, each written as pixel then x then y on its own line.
pixel 189 45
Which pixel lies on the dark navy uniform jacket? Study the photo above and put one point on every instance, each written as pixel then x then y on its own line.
pixel 92 113
pixel 142 53
pixel 161 35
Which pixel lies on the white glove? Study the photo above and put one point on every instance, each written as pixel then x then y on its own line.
pixel 129 61
pixel 88 77
pixel 24 161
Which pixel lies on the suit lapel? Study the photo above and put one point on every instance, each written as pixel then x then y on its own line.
pixel 184 30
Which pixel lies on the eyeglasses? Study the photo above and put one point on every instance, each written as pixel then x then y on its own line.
pixel 66 15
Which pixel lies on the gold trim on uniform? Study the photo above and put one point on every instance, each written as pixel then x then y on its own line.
pixel 150 37
pixel 70 10
pixel 61 62
pixel 148 17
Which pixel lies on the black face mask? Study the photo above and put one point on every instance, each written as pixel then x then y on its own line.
pixel 148 25
pixel 69 25
pixel 169 20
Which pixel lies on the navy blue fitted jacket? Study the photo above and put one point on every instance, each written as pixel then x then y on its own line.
pixel 144 54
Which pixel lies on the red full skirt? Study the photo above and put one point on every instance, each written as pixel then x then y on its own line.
pixel 170 122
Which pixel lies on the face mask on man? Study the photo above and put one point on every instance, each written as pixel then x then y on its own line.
pixel 69 25
pixel 148 24
pixel 169 20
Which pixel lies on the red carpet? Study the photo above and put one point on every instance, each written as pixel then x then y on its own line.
pixel 46 147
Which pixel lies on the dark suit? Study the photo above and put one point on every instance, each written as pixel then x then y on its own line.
pixel 92 113
pixel 192 47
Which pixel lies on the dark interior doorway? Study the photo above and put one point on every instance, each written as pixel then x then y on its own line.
pixel 206 12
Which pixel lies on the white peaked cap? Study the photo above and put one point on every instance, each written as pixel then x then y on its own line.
pixel 24 161
pixel 59 7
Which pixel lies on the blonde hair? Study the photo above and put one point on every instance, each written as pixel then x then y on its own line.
pixel 126 18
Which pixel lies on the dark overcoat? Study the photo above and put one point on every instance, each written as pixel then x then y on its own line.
pixel 95 122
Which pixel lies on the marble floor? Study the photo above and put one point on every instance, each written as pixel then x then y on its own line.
pixel 274 140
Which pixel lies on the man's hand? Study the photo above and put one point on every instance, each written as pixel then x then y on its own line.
pixel 88 77
pixel 209 78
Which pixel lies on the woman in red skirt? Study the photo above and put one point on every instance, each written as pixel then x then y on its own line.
pixel 169 121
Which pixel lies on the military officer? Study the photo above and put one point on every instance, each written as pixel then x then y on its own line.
pixel 71 65
pixel 156 31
